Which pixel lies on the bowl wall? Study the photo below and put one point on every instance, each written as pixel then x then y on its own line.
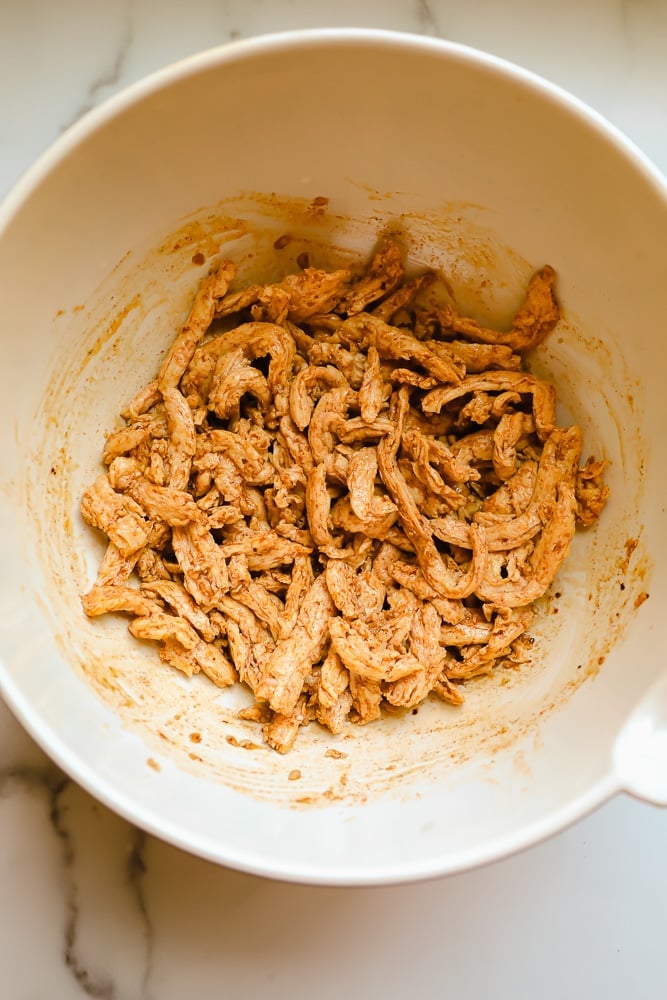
pixel 333 138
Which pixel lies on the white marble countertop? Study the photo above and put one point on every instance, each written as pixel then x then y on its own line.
pixel 92 907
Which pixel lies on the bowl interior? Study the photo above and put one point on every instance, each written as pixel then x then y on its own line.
pixel 332 140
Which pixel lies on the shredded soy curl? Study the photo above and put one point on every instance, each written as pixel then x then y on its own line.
pixel 341 493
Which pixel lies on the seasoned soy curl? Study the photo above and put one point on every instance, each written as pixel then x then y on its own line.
pixel 341 493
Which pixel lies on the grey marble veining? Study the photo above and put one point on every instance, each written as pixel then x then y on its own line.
pixel 98 859
pixel 109 78
pixel 427 21
pixel 116 914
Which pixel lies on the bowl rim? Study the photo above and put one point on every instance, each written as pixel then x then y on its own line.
pixel 50 740
pixel 261 863
pixel 250 47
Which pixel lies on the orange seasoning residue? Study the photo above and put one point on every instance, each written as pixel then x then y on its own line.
pixel 630 546
pixel 242 744
pixel 319 205
pixel 204 235
pixel 112 329
pixel 427 747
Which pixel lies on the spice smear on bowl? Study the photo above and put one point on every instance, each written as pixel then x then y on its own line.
pixel 340 493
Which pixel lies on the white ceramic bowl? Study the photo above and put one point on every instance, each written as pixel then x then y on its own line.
pixel 491 172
